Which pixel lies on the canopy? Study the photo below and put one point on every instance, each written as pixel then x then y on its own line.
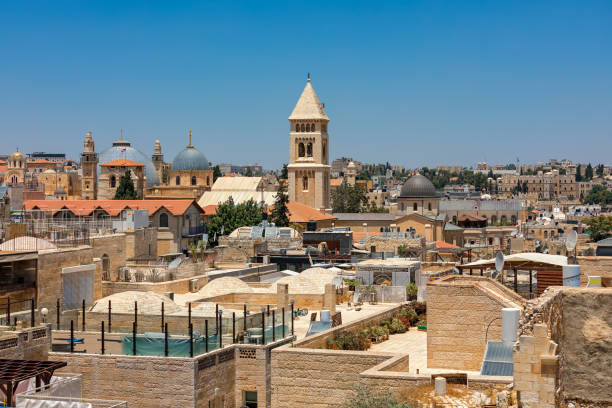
pixel 527 259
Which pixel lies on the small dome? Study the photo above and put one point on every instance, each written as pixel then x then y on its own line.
pixel 297 285
pixel 222 286
pixel 190 158
pixel 148 303
pixel 17 156
pixel 49 171
pixel 352 164
pixel 59 190
pixel 418 186
pixel 122 149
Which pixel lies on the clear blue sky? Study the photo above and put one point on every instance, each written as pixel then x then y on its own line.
pixel 414 82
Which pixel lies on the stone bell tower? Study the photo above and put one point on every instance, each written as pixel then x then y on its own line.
pixel 308 168
pixel 89 167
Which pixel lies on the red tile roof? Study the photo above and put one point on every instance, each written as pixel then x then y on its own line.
pixel 210 209
pixel 3 168
pixel 122 163
pixel 112 207
pixel 335 182
pixel 302 213
pixel 40 161
pixel 442 244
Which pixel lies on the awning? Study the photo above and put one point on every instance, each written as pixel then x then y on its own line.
pixel 526 259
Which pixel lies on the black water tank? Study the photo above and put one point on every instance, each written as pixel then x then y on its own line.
pixel 311 226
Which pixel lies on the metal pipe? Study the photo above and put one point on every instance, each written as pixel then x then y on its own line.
pixel 233 327
pixel 292 331
pixel 244 313
pixel 102 338
pixel 220 331
pixel 162 317
pixel 263 327
pixel 83 324
pixel 190 340
pixel 58 314
pixel 166 339
pixel 283 322
pixel 189 311
pixel 72 336
pixel 32 317
pixel 134 338
pixel 8 310
pixel 206 333
pixel 109 316
pixel 273 327
pixel 135 312
pixel 217 318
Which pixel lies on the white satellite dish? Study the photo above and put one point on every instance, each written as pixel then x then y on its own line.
pixel 570 242
pixel 499 262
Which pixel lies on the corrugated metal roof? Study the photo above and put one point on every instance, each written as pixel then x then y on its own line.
pixel 498 359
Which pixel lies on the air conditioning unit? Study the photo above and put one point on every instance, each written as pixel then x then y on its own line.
pixel 193 285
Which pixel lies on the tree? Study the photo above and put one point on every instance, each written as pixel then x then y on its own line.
pixel 600 170
pixel 126 190
pixel 588 173
pixel 280 213
pixel 284 172
pixel 230 216
pixel 363 397
pixel 599 227
pixel 248 172
pixel 579 172
pixel 599 195
pixel 216 173
pixel 348 199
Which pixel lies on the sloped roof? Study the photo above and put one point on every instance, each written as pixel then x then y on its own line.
pixel 241 189
pixel 308 106
pixel 442 244
pixel 555 260
pixel 111 207
pixel 210 209
pixel 122 163
pixel 236 184
pixel 148 303
pixel 26 244
pixel 299 212
pixel 335 182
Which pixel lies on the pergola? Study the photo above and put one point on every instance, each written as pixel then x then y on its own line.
pixel 12 372
pixel 548 268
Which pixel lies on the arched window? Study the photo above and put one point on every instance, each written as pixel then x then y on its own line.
pixel 513 218
pixel 297 127
pixel 193 180
pixel 308 127
pixel 493 219
pixel 428 206
pixel 301 152
pixel 312 127
pixel 503 219
pixel 545 234
pixel 303 128
pixel 163 220
pixel 113 182
pixel 309 150
pixel 178 180
pixel 305 183
pixel 415 207
pixel 454 219
pixel 207 180
pixel 105 267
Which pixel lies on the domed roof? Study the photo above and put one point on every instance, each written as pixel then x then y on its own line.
pixel 148 303
pixel 190 158
pixel 59 190
pixel 222 286
pixel 17 155
pixel 122 149
pixel 297 285
pixel 49 171
pixel 418 186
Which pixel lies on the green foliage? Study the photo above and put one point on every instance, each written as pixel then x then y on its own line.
pixel 248 172
pixel 348 199
pixel 363 397
pixel 350 341
pixel 599 170
pixel 397 326
pixel 231 216
pixel 280 213
pixel 579 172
pixel 284 172
pixel 599 227
pixel 216 173
pixel 412 290
pixel 588 173
pixel 126 190
pixel 408 313
pixel 599 195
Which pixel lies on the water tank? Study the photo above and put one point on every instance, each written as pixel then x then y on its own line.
pixel 510 319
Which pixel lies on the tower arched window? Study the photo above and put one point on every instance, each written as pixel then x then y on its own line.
pixel 207 180
pixel 312 127
pixel 193 180
pixel 308 127
pixel 309 150
pixel 301 151
pixel 305 183
pixel 303 128
pixel 113 182
pixel 429 206
pixel 415 207
pixel 177 180
pixel 163 220
pixel 297 127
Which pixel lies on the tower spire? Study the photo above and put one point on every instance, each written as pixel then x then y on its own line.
pixel 190 137
pixel 308 78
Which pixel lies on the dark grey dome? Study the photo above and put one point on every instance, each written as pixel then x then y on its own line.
pixel 418 186
pixel 190 158
pixel 59 190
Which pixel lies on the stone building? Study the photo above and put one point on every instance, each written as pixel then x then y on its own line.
pixel 545 186
pixel 16 172
pixel 111 174
pixel 309 151
pixel 418 195
pixel 89 169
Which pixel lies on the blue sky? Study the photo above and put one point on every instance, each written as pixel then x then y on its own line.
pixel 413 82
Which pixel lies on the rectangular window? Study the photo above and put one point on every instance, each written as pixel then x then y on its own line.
pixel 250 399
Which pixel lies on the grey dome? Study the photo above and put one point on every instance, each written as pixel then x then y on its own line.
pixel 190 158
pixel 115 152
pixel 418 186
pixel 59 190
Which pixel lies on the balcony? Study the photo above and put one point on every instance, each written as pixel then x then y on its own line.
pixel 194 231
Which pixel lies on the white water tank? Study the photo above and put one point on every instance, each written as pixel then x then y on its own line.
pixel 510 319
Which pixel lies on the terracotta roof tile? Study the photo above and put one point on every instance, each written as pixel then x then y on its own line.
pixel 302 213
pixel 122 163
pixel 210 209
pixel 112 207
pixel 335 182
pixel 442 244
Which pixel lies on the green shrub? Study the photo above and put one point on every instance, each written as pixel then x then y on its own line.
pixel 397 326
pixel 351 341
pixel 363 397
pixel 409 314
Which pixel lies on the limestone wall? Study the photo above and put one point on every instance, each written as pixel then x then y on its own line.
pixel 594 265
pixel 176 286
pixel 460 314
pixel 26 344
pixel 112 245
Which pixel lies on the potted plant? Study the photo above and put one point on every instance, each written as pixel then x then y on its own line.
pixel 412 290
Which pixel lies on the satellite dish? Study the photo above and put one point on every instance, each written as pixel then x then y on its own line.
pixel 494 275
pixel 572 239
pixel 499 262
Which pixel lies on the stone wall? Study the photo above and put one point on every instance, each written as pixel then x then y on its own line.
pixel 114 246
pixel 176 286
pixel 594 265
pixel 142 242
pixel 26 344
pixel 461 312
pixel 392 244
